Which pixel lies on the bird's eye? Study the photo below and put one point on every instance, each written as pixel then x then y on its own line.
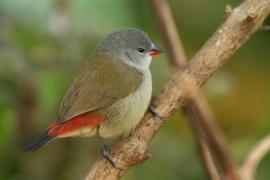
pixel 141 50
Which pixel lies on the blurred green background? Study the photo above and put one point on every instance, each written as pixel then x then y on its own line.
pixel 42 44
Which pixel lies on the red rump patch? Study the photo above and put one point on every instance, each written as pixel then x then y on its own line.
pixel 83 120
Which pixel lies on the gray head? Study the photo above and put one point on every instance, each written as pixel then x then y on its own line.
pixel 133 46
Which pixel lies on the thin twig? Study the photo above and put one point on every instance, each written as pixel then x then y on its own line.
pixel 216 141
pixel 206 151
pixel 265 28
pixel 234 32
pixel 209 161
pixel 178 59
pixel 174 47
pixel 248 169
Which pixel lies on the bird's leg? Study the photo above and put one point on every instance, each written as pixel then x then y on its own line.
pixel 105 150
pixel 154 112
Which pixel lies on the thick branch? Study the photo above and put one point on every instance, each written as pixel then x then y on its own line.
pixel 178 59
pixel 239 25
pixel 203 122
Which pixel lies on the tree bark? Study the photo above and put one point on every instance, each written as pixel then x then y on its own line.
pixel 211 142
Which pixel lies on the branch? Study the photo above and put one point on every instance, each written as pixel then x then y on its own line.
pixel 237 28
pixel 178 59
pixel 249 167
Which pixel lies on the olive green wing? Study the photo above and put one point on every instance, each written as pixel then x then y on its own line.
pixel 98 86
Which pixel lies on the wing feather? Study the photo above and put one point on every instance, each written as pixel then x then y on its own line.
pixel 99 83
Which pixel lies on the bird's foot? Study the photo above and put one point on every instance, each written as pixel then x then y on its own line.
pixel 105 152
pixel 154 112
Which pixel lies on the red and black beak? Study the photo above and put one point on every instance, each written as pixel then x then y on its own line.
pixel 155 50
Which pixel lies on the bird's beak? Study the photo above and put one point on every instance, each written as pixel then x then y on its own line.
pixel 155 50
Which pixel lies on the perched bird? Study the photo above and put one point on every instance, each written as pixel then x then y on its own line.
pixel 110 93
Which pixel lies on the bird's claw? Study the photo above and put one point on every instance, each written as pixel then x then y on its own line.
pixel 105 152
pixel 154 112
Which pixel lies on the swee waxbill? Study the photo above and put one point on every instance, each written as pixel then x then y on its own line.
pixel 110 93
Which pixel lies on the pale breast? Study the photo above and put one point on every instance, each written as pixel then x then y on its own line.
pixel 125 114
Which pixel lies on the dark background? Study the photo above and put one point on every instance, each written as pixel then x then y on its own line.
pixel 42 44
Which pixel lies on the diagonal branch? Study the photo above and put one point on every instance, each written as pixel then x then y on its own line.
pixel 234 32
pixel 178 59
pixel 201 121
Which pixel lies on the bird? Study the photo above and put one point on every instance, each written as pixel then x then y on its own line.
pixel 110 93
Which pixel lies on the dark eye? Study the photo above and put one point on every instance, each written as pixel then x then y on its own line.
pixel 141 50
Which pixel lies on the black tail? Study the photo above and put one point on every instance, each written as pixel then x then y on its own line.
pixel 37 142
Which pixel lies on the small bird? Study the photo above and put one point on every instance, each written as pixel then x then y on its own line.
pixel 110 93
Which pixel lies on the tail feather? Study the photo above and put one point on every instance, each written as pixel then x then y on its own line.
pixel 37 142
